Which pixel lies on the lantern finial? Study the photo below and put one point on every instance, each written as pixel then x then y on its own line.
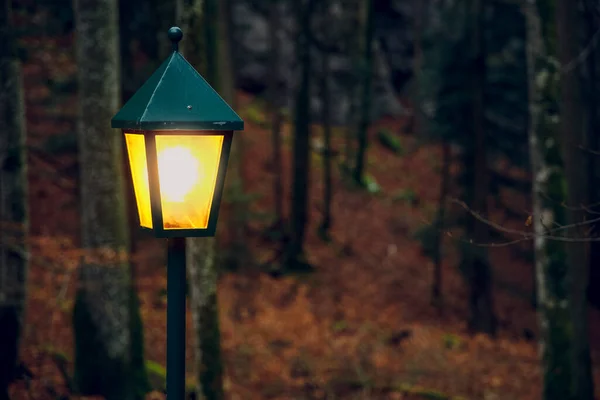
pixel 175 35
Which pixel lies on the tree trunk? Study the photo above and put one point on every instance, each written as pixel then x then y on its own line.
pixel 572 116
pixel 14 223
pixel 325 120
pixel 476 263
pixel 237 252
pixel 203 277
pixel 301 149
pixel 550 263
pixel 436 288
pixel 366 95
pixel 201 253
pixel 357 17
pixel 275 94
pixel 591 86
pixel 103 315
pixel 420 22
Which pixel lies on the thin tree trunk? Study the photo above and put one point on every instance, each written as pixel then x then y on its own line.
pixel 366 94
pixel 326 121
pixel 591 86
pixel 358 18
pixel 420 18
pixel 479 273
pixel 203 276
pixel 201 253
pixel 14 213
pixel 237 251
pixel 436 288
pixel 572 116
pixel 301 152
pixel 102 311
pixel 275 89
pixel 550 263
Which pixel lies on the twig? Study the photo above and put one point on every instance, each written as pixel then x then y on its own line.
pixel 526 235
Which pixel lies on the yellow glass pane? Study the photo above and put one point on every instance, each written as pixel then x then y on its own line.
pixel 136 149
pixel 187 172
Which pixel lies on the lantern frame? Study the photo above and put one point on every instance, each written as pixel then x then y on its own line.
pixel 156 208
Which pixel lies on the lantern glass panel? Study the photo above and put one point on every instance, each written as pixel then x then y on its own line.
pixel 187 174
pixel 136 149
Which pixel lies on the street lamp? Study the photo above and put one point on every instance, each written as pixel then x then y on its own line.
pixel 178 133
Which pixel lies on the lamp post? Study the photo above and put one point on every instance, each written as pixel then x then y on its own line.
pixel 178 133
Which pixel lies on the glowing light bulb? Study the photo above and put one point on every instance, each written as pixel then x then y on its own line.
pixel 178 173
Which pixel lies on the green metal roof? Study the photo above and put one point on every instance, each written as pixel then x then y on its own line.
pixel 176 96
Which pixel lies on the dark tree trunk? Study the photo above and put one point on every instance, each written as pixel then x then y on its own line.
pixel 237 253
pixel 436 287
pixel 476 263
pixel 301 152
pixel 420 24
pixel 275 95
pixel 572 117
pixel 591 87
pixel 103 314
pixel 14 222
pixel 202 49
pixel 325 120
pixel 366 94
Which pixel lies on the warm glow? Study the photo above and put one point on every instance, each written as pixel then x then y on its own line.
pixel 178 173
pixel 187 171
pixel 136 149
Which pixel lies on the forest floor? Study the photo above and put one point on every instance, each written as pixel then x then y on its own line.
pixel 360 327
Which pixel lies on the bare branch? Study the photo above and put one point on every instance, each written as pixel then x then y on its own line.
pixel 528 235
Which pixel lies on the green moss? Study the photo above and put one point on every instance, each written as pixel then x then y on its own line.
pixel 390 141
pixel 405 195
pixel 451 342
pixel 424 393
pixel 339 326
pixel 255 114
pixel 157 375
pixel 371 184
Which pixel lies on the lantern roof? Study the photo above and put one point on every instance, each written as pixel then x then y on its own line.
pixel 176 96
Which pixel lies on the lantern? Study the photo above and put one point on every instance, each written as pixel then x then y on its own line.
pixel 178 133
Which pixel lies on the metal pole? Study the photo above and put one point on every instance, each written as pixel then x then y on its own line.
pixel 176 319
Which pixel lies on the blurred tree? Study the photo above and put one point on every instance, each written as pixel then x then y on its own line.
pixel 435 252
pixel 447 102
pixel 366 74
pixel 327 149
pixel 475 261
pixel 236 250
pixel 355 16
pixel 574 151
pixel 421 13
pixel 129 85
pixel 295 257
pixel 201 48
pixel 14 222
pixel 437 298
pixel 547 183
pixel 592 65
pixel 106 322
pixel 276 87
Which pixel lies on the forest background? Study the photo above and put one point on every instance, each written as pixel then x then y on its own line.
pixel 410 213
